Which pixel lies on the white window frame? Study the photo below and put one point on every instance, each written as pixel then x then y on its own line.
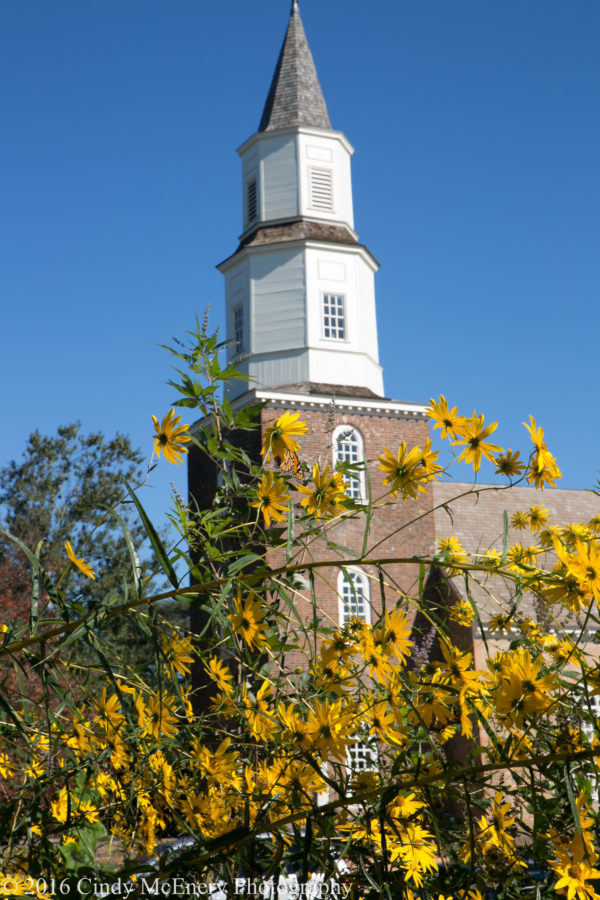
pixel 361 756
pixel 349 600
pixel 330 304
pixel 351 449
pixel 238 329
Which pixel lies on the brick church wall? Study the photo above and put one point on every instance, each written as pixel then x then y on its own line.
pixel 392 531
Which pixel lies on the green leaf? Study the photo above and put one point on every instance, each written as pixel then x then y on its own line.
pixel 572 802
pixel 290 535
pixel 136 567
pixel 369 509
pixel 35 593
pixel 504 539
pixel 80 852
pixel 242 562
pixel 157 545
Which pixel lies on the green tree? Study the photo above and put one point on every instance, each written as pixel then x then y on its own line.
pixel 70 487
pixel 62 489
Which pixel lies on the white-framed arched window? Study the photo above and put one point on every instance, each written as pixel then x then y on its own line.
pixel 354 596
pixel 361 757
pixel 348 446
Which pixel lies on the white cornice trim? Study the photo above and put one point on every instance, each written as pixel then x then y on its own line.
pixel 260 136
pixel 367 405
pixel 299 244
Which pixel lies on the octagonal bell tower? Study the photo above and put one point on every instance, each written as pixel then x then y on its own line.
pixel 300 294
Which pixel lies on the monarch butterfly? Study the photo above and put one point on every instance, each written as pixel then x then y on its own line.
pixel 290 465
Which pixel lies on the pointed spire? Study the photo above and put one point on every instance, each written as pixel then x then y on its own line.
pixel 295 96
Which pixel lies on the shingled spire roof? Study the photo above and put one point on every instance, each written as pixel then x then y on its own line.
pixel 295 96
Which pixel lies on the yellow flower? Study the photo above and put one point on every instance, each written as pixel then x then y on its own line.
pixel 457 665
pixel 519 557
pixel 508 464
pixel 428 461
pixel 575 868
pixel 79 563
pixel 262 722
pixel 272 499
pixel 329 728
pixel 169 437
pixel 594 524
pixel 416 851
pixel 538 517
pixel 328 494
pixel 434 701
pixel 298 779
pixel 448 420
pixel 396 633
pixel 404 473
pixel 374 655
pixel 473 436
pixel 7 767
pixel 495 832
pixel 523 690
pixel 585 566
pixel 60 806
pixel 157 718
pixel 23 885
pixel 519 520
pixel 220 765
pixel 500 623
pixel 109 711
pixel 491 557
pixel 218 672
pixel 247 619
pixel 462 613
pixel 329 672
pixel 573 532
pixel 177 651
pixel 453 554
pixel 295 729
pixel 279 437
pixel 379 719
pixel 405 806
pixel 543 469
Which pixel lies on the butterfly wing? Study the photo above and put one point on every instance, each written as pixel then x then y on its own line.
pixel 290 464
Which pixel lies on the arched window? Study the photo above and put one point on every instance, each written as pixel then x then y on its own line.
pixel 361 757
pixel 348 446
pixel 354 597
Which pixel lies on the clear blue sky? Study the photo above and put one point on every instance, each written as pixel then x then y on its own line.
pixel 476 184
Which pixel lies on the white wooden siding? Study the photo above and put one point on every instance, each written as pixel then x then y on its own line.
pixel 237 293
pixel 278 301
pixel 280 179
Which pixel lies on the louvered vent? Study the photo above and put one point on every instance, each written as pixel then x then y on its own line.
pixel 321 189
pixel 252 200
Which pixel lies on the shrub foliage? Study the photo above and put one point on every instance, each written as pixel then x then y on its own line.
pixel 344 765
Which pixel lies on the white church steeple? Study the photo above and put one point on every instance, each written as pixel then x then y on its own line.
pixel 300 294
